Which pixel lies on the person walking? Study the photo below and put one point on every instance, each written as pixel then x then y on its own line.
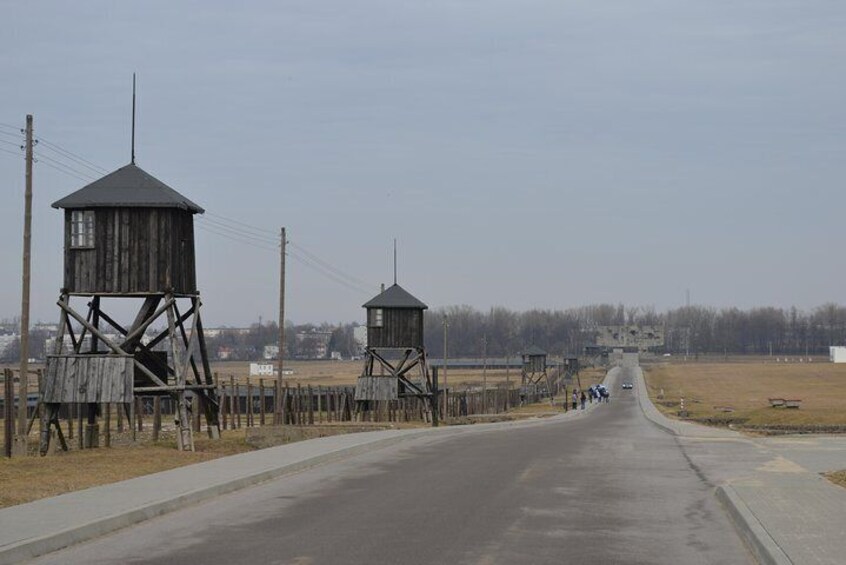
pixel 584 400
pixel 575 398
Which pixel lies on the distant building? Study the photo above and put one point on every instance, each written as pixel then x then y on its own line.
pixel 225 353
pixel 837 354
pixel 6 342
pixel 67 343
pixel 218 332
pixel 335 356
pixel 271 352
pixel 642 338
pixel 313 344
pixel 262 370
pixel 360 338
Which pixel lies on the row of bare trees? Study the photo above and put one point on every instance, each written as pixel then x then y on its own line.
pixel 695 329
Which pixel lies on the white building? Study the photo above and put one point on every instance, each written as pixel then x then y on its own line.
pixel 262 370
pixel 837 354
pixel 271 352
pixel 360 337
pixel 6 342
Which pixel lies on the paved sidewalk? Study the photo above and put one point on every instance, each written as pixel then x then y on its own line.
pixel 780 504
pixel 43 526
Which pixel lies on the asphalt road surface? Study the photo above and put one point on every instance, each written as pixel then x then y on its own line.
pixel 608 487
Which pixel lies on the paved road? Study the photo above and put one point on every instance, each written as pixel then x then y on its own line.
pixel 607 488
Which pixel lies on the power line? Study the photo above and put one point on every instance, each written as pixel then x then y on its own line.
pixel 54 167
pixel 10 126
pixel 239 230
pixel 12 135
pixel 235 238
pixel 72 156
pixel 42 157
pixel 18 145
pixel 328 274
pixel 10 152
pixel 329 266
pixel 232 231
pixel 243 224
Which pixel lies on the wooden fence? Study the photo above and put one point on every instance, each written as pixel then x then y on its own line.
pixel 262 402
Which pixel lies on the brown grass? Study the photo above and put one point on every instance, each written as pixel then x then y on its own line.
pixel 837 477
pixel 738 393
pixel 31 478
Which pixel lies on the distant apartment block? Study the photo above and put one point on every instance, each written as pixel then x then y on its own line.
pixel 313 344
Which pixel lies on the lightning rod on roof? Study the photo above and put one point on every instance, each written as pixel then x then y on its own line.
pixel 133 118
pixel 395 260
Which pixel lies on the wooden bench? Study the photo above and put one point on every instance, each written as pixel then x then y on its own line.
pixel 792 403
pixel 777 402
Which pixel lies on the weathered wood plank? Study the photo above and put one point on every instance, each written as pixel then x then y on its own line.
pixel 88 378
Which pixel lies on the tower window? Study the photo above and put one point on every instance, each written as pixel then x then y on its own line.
pixel 82 229
pixel 376 318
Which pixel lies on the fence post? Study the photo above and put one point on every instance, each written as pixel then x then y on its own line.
pixel 107 422
pixel 261 403
pixel 157 417
pixel 435 397
pixel 8 412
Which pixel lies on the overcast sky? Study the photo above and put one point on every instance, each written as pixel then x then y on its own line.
pixel 525 154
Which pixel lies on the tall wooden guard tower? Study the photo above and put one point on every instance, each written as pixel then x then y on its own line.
pixel 130 238
pixel 534 366
pixel 395 343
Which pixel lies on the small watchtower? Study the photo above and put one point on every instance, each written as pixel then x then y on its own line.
pixel 395 342
pixel 129 237
pixel 534 365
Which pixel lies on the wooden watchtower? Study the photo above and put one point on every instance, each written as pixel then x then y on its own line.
pixel 534 366
pixel 395 343
pixel 130 238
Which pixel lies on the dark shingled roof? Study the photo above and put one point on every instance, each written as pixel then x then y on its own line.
pixel 534 350
pixel 395 297
pixel 129 186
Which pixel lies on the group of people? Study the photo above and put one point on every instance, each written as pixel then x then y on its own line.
pixel 598 392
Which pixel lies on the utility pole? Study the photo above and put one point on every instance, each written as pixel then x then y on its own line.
pixel 27 244
pixel 446 329
pixel 283 241
pixel 485 374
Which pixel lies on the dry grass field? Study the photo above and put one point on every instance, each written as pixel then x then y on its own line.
pixel 333 373
pixel 31 478
pixel 738 392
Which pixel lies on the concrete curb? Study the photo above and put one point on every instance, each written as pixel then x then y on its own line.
pixel 647 407
pixel 764 547
pixel 35 547
pixel 748 527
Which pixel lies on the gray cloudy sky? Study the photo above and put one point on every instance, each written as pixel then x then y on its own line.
pixel 525 154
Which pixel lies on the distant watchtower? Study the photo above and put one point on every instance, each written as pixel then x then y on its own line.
pixel 534 365
pixel 130 237
pixel 395 342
